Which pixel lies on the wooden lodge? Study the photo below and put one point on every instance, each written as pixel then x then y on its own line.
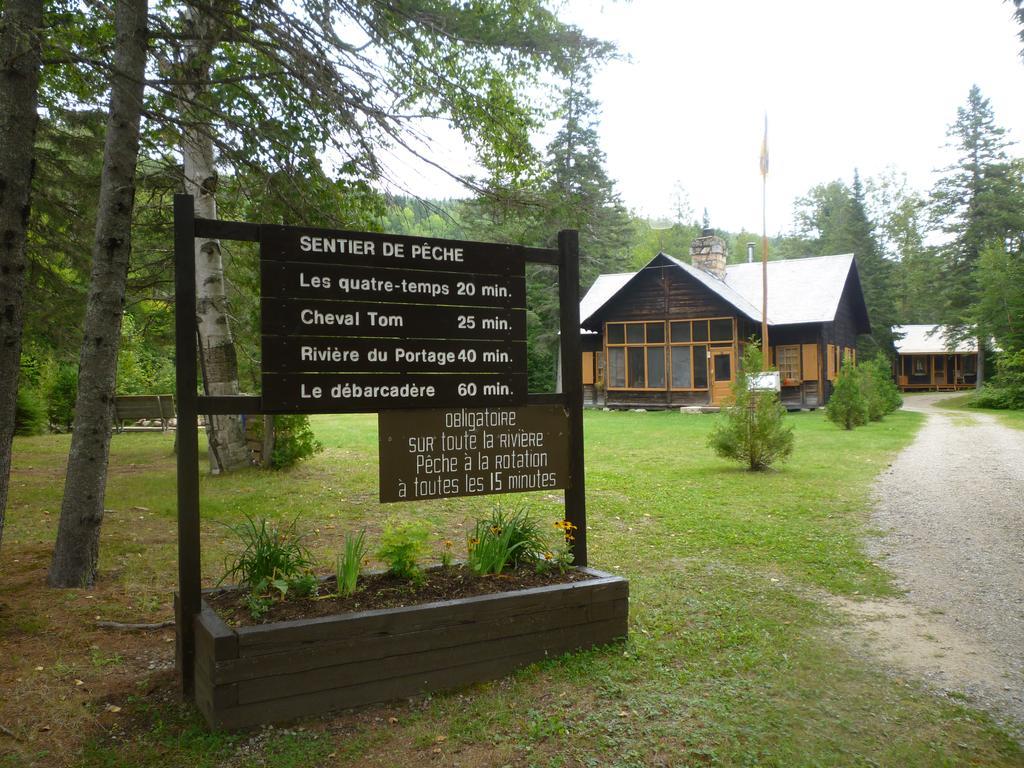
pixel 928 358
pixel 671 334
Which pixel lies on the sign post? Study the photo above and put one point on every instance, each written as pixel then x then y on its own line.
pixel 428 333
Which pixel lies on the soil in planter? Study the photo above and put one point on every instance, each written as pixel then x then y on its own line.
pixel 381 590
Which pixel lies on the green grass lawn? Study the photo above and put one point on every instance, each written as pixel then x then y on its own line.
pixel 733 657
pixel 1010 418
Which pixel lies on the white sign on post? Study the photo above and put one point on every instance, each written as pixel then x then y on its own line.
pixel 769 381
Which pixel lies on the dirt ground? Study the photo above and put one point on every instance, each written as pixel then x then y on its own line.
pixel 951 513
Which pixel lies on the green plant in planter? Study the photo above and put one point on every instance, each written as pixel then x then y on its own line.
pixel 504 540
pixel 561 555
pixel 346 567
pixel 401 547
pixel 272 558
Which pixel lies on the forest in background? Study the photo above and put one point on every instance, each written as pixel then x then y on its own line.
pixel 950 255
pixel 240 104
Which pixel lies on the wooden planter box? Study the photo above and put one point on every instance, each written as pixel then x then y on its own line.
pixel 275 672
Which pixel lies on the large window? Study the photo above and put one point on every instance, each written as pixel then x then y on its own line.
pixel 788 360
pixel 641 357
pixel 636 355
pixel 688 349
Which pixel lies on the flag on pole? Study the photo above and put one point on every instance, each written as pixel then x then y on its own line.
pixel 764 148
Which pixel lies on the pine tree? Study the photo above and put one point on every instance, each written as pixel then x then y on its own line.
pixel 978 201
pixel 836 220
pixel 753 430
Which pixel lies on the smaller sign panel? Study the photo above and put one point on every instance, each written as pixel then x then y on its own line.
pixel 367 392
pixel 409 321
pixel 440 454
pixel 327 354
pixel 299 280
pixel 765 381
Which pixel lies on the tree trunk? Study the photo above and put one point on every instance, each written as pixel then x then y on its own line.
pixel 20 41
pixel 76 553
pixel 981 365
pixel 225 434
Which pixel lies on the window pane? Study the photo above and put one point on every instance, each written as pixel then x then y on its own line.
pixel 681 367
pixel 635 333
pixel 721 330
pixel 656 367
pixel 681 331
pixel 616 333
pixel 700 367
pixel 700 330
pixel 723 367
pixel 617 367
pixel 655 333
pixel 636 366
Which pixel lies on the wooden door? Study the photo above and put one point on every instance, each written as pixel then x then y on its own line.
pixel 723 371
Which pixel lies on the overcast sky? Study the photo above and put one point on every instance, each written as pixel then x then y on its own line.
pixel 864 85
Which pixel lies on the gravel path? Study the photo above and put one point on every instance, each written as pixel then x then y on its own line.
pixel 952 509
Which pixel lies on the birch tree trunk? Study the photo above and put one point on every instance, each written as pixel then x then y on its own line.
pixel 20 29
pixel 225 434
pixel 76 553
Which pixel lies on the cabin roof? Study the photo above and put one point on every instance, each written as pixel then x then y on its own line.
pixel 806 290
pixel 930 340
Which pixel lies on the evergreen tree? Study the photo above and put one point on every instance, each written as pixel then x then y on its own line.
pixel 978 201
pixel 847 407
pixel 574 192
pixel 753 430
pixel 834 218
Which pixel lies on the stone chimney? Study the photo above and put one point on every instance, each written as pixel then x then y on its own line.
pixel 707 252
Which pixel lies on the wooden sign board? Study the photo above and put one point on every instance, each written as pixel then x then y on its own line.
pixel 373 249
pixel 360 322
pixel 440 454
pixel 397 286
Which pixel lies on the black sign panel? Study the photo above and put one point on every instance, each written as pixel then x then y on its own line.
pixel 472 451
pixel 400 286
pixel 362 319
pixel 371 249
pixel 368 392
pixel 326 354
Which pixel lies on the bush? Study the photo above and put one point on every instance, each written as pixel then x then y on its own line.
pixel 880 391
pixel 293 441
pixel 1006 389
pixel 29 413
pixel 848 407
pixel 401 547
pixel 61 398
pixel 753 430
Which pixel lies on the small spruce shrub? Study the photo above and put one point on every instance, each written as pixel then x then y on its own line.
pixel 848 407
pixel 29 413
pixel 880 391
pixel 61 398
pixel 753 430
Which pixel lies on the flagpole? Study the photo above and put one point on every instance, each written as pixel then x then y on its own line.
pixel 765 356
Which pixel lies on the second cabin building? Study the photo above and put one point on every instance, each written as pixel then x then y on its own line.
pixel 671 334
